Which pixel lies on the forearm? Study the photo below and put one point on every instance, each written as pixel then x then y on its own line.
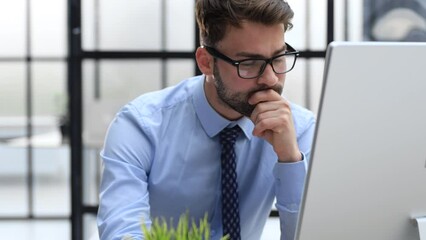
pixel 290 178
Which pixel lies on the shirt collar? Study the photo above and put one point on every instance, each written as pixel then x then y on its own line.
pixel 212 121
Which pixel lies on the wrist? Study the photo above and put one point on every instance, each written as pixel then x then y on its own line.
pixel 297 157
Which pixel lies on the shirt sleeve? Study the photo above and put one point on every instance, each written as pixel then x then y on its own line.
pixel 124 199
pixel 290 180
pixel 289 184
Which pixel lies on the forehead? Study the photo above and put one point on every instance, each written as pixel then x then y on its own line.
pixel 253 37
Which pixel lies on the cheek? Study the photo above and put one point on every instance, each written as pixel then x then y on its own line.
pixel 231 80
pixel 228 72
pixel 242 85
pixel 229 76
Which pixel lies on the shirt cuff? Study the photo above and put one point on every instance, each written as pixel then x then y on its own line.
pixel 289 182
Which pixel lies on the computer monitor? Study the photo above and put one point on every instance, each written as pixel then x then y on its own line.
pixel 367 174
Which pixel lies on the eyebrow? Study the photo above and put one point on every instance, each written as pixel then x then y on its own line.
pixel 255 55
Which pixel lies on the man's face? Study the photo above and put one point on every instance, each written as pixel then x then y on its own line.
pixel 253 40
pixel 238 100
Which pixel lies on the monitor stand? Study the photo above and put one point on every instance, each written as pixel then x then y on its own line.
pixel 421 224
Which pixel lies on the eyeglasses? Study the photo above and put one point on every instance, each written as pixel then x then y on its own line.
pixel 254 67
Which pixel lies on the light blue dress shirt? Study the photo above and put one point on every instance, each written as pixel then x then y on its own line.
pixel 162 158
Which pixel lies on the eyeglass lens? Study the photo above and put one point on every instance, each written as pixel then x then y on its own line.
pixel 254 67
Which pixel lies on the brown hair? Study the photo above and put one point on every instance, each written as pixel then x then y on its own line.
pixel 214 16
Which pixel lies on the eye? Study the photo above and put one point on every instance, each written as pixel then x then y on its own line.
pixel 248 63
pixel 252 63
pixel 279 59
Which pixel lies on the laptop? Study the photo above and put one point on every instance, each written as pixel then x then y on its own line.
pixel 367 174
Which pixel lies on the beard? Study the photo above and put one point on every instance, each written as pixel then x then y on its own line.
pixel 238 101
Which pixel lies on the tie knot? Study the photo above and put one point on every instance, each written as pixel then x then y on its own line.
pixel 229 135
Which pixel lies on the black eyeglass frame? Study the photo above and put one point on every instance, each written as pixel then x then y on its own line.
pixel 289 51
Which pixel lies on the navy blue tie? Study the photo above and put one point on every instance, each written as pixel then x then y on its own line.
pixel 230 200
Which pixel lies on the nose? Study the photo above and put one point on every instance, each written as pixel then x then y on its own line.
pixel 268 77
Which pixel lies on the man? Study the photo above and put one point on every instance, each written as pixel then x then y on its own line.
pixel 162 154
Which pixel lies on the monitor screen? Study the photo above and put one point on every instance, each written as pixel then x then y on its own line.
pixel 367 174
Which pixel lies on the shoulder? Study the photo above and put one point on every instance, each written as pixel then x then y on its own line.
pixel 168 98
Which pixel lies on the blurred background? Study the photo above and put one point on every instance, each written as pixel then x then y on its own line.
pixel 66 67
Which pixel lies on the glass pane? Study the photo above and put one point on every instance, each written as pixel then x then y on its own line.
pixel 105 23
pixel 12 89
pixel 91 175
pixel 316 82
pixel 355 19
pixel 297 35
pixel 348 27
pixel 178 70
pixel 180 24
pixel 317 25
pixel 130 25
pixel 49 89
pixel 12 101
pixel 49 102
pixel 36 229
pixel 48 28
pixel 13 157
pixel 13 28
pixel 51 181
pixel 89 20
pixel 295 83
pixel 13 181
pixel 127 79
pixel 310 21
pixel 90 228
pixel 339 20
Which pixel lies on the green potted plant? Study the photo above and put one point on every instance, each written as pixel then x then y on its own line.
pixel 185 230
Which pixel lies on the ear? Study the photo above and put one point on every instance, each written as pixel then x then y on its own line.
pixel 204 61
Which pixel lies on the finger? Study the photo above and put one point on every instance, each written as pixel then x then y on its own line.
pixel 276 106
pixel 264 96
pixel 270 121
pixel 262 108
pixel 265 110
